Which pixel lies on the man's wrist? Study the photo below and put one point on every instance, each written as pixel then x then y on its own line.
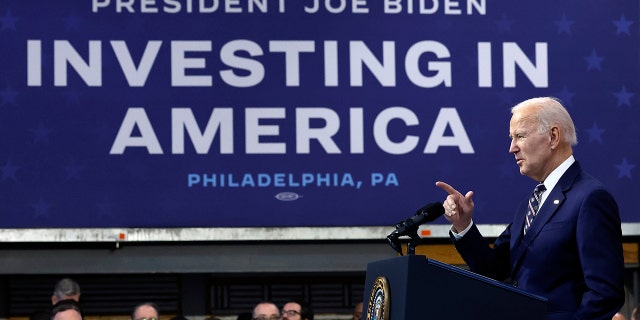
pixel 459 234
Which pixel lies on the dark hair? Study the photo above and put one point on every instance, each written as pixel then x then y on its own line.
pixel 65 305
pixel 305 309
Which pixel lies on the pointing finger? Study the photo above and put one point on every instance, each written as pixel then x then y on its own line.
pixel 447 188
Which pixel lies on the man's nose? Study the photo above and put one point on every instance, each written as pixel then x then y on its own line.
pixel 513 147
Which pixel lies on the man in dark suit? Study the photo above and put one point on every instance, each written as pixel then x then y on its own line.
pixel 564 243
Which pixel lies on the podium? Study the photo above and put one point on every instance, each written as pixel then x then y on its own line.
pixel 415 287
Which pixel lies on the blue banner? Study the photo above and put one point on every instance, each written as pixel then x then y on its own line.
pixel 247 113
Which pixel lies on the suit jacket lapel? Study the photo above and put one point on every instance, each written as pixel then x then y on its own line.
pixel 554 200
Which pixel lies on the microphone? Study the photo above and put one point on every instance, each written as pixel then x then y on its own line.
pixel 410 226
pixel 427 213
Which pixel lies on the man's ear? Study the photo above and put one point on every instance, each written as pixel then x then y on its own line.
pixel 54 300
pixel 554 135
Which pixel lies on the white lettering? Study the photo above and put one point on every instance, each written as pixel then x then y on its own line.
pixel 304 131
pixel 448 117
pixel 292 50
pixel 34 63
pixel 90 72
pixel 331 63
pixel 136 76
pixel 450 7
pixel 232 6
pixel 221 120
pixel 443 69
pixel 148 6
pixel 357 130
pixel 484 65
pixel 255 68
pixel 361 55
pixel 124 138
pixel 538 74
pixel 180 63
pixel 380 130
pixel 254 130
pixel 263 132
pixel 97 4
pixel 241 69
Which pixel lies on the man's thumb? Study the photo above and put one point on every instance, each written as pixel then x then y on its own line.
pixel 468 195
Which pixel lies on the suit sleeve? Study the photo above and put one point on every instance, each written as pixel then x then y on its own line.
pixel 492 262
pixel 599 243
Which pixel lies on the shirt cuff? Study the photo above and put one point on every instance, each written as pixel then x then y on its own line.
pixel 461 234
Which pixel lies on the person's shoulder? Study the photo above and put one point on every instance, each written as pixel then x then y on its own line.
pixel 591 184
pixel 583 180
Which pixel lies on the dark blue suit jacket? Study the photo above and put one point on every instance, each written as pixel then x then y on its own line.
pixel 572 253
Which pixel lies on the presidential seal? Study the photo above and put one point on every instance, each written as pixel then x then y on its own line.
pixel 378 308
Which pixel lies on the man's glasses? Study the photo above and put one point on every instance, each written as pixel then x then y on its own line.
pixel 289 313
pixel 147 318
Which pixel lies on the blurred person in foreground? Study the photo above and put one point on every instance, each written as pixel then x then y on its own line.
pixel 619 316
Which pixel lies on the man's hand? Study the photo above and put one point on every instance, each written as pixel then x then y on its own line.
pixel 458 208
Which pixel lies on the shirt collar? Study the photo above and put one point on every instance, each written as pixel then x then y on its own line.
pixel 555 175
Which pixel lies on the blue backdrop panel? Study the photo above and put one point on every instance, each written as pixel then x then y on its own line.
pixel 213 113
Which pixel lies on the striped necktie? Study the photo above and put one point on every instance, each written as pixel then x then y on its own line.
pixel 534 205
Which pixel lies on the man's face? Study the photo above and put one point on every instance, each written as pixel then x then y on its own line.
pixel 531 149
pixel 266 311
pixel 291 311
pixel 146 313
pixel 67 315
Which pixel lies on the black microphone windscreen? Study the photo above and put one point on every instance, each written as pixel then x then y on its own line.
pixel 431 211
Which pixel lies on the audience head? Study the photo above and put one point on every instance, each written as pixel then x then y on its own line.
pixel 65 289
pixel 357 311
pixel 145 311
pixel 296 310
pixel 618 316
pixel 66 310
pixel 266 311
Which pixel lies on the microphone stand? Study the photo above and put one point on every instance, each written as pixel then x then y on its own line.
pixel 409 227
pixel 415 240
pixel 394 242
